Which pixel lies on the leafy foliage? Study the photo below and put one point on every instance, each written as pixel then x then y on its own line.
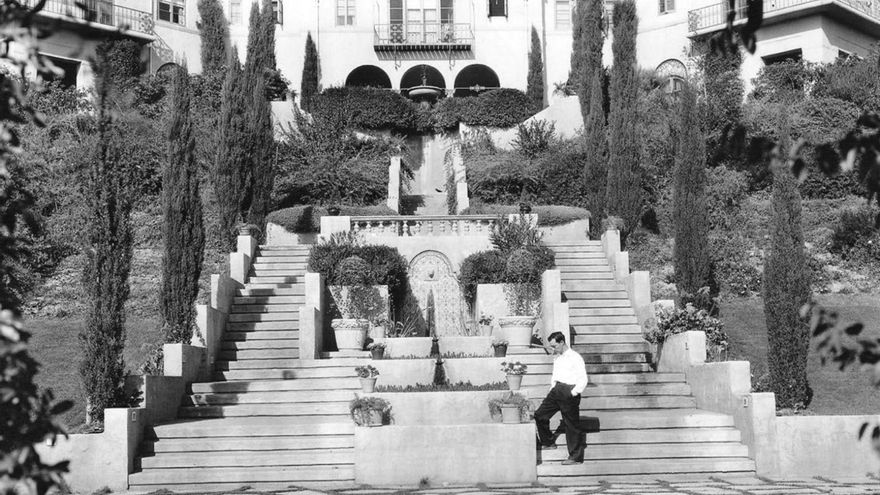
pixel 586 56
pixel 214 35
pixel 361 407
pixel 623 196
pixel 672 321
pixel 511 399
pixel 484 267
pixel 184 232
pixel 307 218
pixel 534 137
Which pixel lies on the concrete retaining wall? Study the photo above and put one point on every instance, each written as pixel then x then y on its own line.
pixel 398 347
pixel 481 453
pixel 576 231
pixel 441 408
pixel 825 446
pixel 402 372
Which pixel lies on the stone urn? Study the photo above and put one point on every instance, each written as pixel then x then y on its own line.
pixel 350 333
pixel 517 330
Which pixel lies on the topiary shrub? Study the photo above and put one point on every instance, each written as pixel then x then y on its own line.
pixel 484 267
pixel 519 267
pixel 307 218
pixel 367 108
pixel 507 236
pixel 671 321
pixel 353 270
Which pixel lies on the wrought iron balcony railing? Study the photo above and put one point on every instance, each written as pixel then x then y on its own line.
pixel 100 12
pixel 423 36
pixel 716 15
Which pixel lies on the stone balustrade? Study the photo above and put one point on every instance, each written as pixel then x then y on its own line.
pixel 412 226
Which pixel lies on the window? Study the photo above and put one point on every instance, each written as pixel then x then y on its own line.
pixel 497 8
pixel 795 55
pixel 421 21
pixel 235 12
pixel 345 12
pixel 563 14
pixel 278 11
pixel 667 6
pixel 69 68
pixel 171 11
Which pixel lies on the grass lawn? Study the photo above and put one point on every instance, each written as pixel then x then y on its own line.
pixel 55 345
pixel 834 392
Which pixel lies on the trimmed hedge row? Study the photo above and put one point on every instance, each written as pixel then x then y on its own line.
pixel 307 219
pixel 548 215
pixel 371 108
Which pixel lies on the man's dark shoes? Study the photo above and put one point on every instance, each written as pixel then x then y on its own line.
pixel 569 462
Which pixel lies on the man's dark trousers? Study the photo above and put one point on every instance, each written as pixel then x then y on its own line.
pixel 560 399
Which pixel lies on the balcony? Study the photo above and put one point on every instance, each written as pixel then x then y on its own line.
pixel 101 14
pixel 864 14
pixel 423 37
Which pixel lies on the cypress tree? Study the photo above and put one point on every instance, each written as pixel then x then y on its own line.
pixel 230 171
pixel 184 232
pixel 722 80
pixel 623 197
pixel 256 54
pixel 535 81
pixel 268 31
pixel 310 75
pixel 690 253
pixel 263 165
pixel 109 236
pixel 595 172
pixel 214 35
pixel 586 54
pixel 786 290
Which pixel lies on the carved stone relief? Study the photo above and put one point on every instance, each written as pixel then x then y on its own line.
pixel 430 271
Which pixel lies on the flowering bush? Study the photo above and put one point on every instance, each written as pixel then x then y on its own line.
pixel 367 371
pixel 676 320
pixel 516 368
pixel 376 345
pixel 511 399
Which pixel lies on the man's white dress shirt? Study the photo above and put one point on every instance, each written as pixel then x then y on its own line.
pixel 569 368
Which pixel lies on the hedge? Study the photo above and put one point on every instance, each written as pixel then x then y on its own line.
pixel 306 219
pixel 548 215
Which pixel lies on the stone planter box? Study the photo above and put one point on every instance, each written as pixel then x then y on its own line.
pixel 441 408
pixel 403 372
pixel 376 295
pixel 492 302
pixel 398 347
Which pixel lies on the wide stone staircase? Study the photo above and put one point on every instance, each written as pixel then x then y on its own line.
pixel 269 421
pixel 649 422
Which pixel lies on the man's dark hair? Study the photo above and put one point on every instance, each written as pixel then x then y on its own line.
pixel 557 336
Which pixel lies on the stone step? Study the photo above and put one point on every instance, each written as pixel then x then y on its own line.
pixel 596 328
pixel 660 418
pixel 248 427
pixel 273 316
pixel 292 474
pixel 269 300
pixel 649 451
pixel 294 376
pixel 599 303
pixel 597 320
pixel 563 263
pixel 273 280
pixel 292 391
pixel 255 335
pixel 574 276
pixel 295 290
pixel 549 470
pixel 257 354
pixel 650 436
pixel 627 348
pixel 241 345
pixel 597 268
pixel 633 357
pixel 579 254
pixel 311 457
pixel 276 265
pixel 266 308
pixel 278 364
pixel 640 402
pixel 256 410
pixel 244 326
pixel 637 389
pixel 281 257
pixel 574 248
pixel 256 486
pixel 608 338
pixel 614 311
pixel 248 443
pixel 598 295
pixel 592 285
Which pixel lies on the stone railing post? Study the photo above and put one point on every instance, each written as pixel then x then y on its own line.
pixel 611 244
pixel 462 201
pixel 551 294
pixel 311 322
pixel 638 288
pixel 331 225
pixel 240 260
pixel 393 200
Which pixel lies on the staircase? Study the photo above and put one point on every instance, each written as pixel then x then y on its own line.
pixel 649 421
pixel 269 421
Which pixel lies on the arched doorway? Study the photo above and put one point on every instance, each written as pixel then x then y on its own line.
pixel 474 79
pixel 422 76
pixel 671 75
pixel 368 76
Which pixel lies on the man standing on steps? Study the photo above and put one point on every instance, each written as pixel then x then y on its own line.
pixel 568 381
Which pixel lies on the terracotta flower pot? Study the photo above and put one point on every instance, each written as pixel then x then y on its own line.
pixel 517 330
pixel 514 382
pixel 501 350
pixel 350 333
pixel 368 385
pixel 377 353
pixel 510 414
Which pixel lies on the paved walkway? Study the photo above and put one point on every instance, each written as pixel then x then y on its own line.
pixel 714 485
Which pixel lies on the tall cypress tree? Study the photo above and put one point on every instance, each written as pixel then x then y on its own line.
pixel 230 172
pixel 586 54
pixel 690 253
pixel 623 198
pixel 109 233
pixel 786 290
pixel 214 35
pixel 595 172
pixel 535 81
pixel 310 75
pixel 722 80
pixel 184 232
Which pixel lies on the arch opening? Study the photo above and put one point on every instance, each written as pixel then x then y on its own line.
pixel 368 76
pixel 474 79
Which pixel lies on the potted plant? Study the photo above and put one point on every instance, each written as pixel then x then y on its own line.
pixel 333 211
pixel 377 349
pixel 485 322
pixel 510 409
pixel 356 299
pixel 525 208
pixel 523 295
pixel 500 347
pixel 368 375
pixel 370 411
pixel 514 372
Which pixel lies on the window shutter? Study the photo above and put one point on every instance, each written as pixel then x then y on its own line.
pixel 670 5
